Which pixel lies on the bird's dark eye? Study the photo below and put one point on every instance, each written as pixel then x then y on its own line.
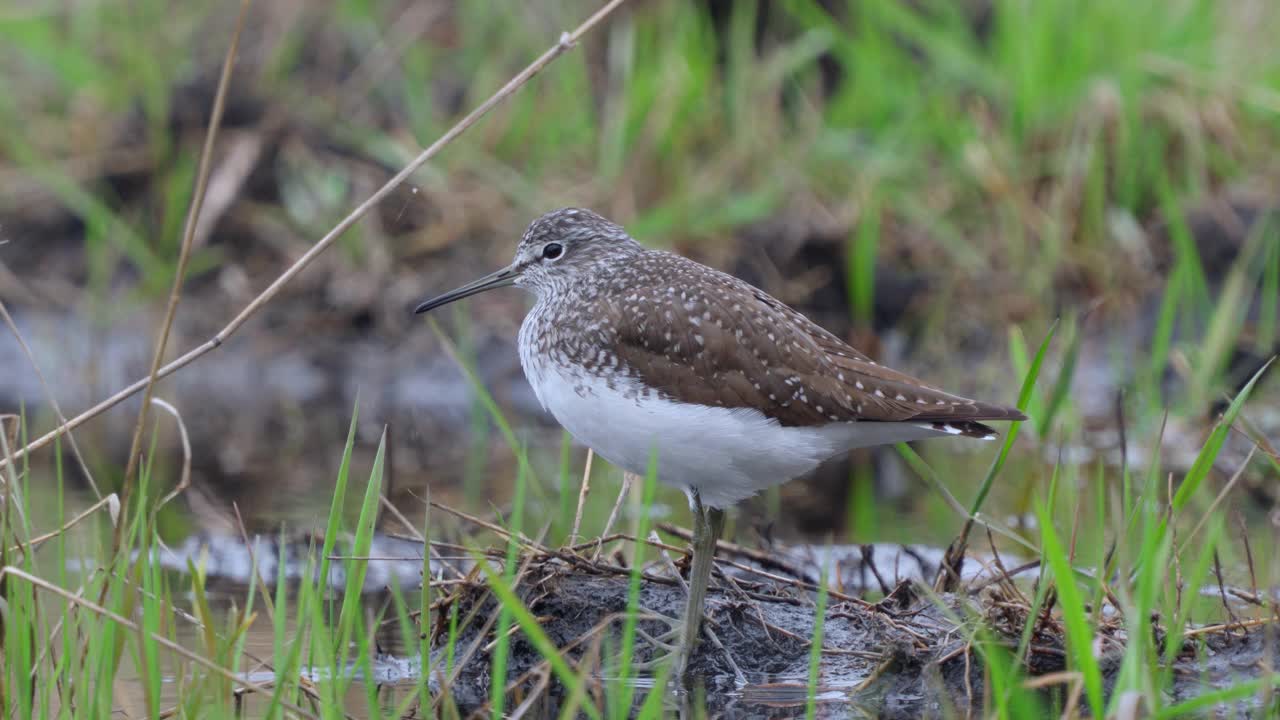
pixel 551 251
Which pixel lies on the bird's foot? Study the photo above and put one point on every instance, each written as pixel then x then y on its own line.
pixel 665 648
pixel 669 652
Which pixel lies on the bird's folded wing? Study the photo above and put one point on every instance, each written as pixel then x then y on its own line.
pixel 731 345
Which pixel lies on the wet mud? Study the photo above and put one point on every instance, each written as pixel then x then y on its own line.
pixel 911 654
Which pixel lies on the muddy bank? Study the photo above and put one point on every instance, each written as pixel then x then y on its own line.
pixel 908 656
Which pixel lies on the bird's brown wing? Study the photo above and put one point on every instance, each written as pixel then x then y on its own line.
pixel 725 343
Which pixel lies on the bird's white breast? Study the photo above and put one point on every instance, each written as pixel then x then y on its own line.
pixel 726 454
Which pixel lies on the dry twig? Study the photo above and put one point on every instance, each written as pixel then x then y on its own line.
pixel 184 254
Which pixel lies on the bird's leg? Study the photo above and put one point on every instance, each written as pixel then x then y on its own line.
pixel 707 526
pixel 684 634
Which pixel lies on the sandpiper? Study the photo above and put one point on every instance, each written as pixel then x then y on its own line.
pixel 645 354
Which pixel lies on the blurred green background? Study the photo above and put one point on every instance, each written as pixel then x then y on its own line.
pixel 936 181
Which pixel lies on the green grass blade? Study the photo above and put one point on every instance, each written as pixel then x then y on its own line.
pixel 1024 397
pixel 1074 617
pixel 1209 452
pixel 1217 699
pixel 358 565
pixel 633 586
pixel 497 687
pixel 336 507
pixel 815 644
pixel 1062 386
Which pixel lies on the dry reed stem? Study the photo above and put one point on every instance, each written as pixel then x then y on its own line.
pixel 765 559
pixel 627 480
pixel 494 528
pixel 262 581
pixel 34 542
pixel 1226 627
pixel 53 401
pixel 399 516
pixel 188 240
pixel 535 694
pixel 1235 477
pixel 566 42
pixel 184 480
pixel 9 481
pixel 582 499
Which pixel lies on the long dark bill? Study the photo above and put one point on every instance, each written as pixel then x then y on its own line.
pixel 502 278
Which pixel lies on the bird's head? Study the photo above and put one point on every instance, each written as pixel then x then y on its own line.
pixel 558 248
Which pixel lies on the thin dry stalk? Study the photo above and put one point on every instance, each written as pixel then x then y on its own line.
pixel 953 654
pixel 188 240
pixel 429 547
pixel 1246 427
pixel 1225 627
pixel 765 559
pixel 595 634
pixel 399 516
pixel 53 401
pixel 874 675
pixel 1063 677
pixel 12 492
pixel 1248 554
pixel 1235 477
pixel 184 480
pixel 627 479
pixel 493 527
pixel 35 542
pixel 535 695
pixel 566 42
pixel 651 542
pixel 582 500
pixel 1007 575
pixel 1002 576
pixel 1222 590
pixel 869 561
pixel 254 566
pixel 798 583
